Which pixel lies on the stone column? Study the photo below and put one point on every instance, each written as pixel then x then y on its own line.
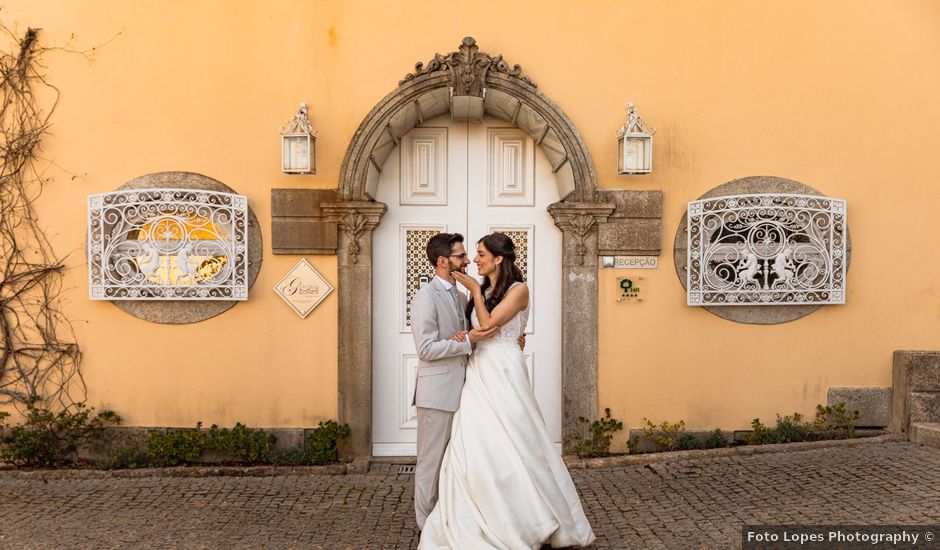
pixel 355 222
pixel 578 223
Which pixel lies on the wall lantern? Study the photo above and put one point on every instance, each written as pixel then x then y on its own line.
pixel 634 145
pixel 299 144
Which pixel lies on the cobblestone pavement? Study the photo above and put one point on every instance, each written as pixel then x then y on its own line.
pixel 694 503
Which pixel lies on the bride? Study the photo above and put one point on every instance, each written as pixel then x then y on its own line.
pixel 502 483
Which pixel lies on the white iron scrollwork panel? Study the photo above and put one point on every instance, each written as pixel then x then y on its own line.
pixel 168 244
pixel 766 249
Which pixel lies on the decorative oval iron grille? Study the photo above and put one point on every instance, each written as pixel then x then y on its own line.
pixel 766 249
pixel 168 244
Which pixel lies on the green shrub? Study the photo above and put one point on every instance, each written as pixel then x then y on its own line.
pixel 793 428
pixel 762 435
pixel 831 422
pixel 289 457
pixel 834 422
pixel 242 443
pixel 323 443
pixel 715 440
pixel 789 429
pixel 601 433
pixel 666 435
pixel 688 442
pixel 124 459
pixel 48 439
pixel 177 446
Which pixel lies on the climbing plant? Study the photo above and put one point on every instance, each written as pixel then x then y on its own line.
pixel 39 357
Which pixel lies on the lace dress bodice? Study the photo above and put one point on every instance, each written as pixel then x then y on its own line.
pixel 513 329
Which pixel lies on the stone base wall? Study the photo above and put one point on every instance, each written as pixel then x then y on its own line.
pixel 873 404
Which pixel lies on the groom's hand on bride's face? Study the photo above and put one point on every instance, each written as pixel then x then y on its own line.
pixel 481 333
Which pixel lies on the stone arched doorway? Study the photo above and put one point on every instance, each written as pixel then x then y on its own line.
pixel 469 83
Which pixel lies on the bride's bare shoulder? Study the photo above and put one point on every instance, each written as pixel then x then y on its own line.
pixel 519 288
pixel 519 292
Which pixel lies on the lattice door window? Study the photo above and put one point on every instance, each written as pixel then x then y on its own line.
pixel 168 244
pixel 766 249
pixel 523 237
pixel 415 268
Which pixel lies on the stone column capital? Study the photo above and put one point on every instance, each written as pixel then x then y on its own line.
pixel 575 216
pixel 355 220
pixel 371 213
pixel 578 223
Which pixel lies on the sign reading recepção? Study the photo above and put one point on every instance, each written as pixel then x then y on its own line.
pixel 303 288
pixel 630 262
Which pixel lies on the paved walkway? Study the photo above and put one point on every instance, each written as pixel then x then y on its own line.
pixel 691 503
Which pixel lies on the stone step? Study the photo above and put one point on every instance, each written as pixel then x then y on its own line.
pixel 925 433
pixel 925 406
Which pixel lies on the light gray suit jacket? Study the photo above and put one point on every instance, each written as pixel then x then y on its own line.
pixel 442 362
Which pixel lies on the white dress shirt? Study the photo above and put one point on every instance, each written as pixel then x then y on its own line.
pixel 447 287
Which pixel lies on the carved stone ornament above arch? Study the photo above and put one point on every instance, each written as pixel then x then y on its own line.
pixel 468 83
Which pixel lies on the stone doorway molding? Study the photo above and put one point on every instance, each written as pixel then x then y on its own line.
pixel 470 83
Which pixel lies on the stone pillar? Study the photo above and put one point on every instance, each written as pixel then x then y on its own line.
pixel 578 223
pixel 355 221
pixel 916 393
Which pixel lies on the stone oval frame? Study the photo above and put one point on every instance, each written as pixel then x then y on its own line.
pixel 191 311
pixel 754 315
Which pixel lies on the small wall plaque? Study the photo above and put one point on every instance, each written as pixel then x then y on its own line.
pixel 630 262
pixel 631 288
pixel 303 288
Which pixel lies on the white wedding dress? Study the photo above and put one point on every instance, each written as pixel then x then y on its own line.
pixel 503 484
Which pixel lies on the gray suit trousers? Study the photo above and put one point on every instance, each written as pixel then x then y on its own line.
pixel 433 436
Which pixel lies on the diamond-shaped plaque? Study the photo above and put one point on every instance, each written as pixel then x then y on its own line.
pixel 303 288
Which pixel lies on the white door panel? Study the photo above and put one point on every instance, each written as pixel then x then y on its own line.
pixel 522 213
pixel 424 184
pixel 470 179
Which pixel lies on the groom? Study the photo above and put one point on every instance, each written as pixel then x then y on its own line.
pixel 437 314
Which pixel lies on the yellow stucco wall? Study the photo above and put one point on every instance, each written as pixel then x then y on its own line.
pixel 839 95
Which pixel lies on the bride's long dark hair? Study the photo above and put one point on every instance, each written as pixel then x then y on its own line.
pixel 499 244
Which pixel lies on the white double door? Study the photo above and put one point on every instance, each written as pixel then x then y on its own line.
pixel 472 179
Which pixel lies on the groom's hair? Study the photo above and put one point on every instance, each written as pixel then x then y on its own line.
pixel 441 245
